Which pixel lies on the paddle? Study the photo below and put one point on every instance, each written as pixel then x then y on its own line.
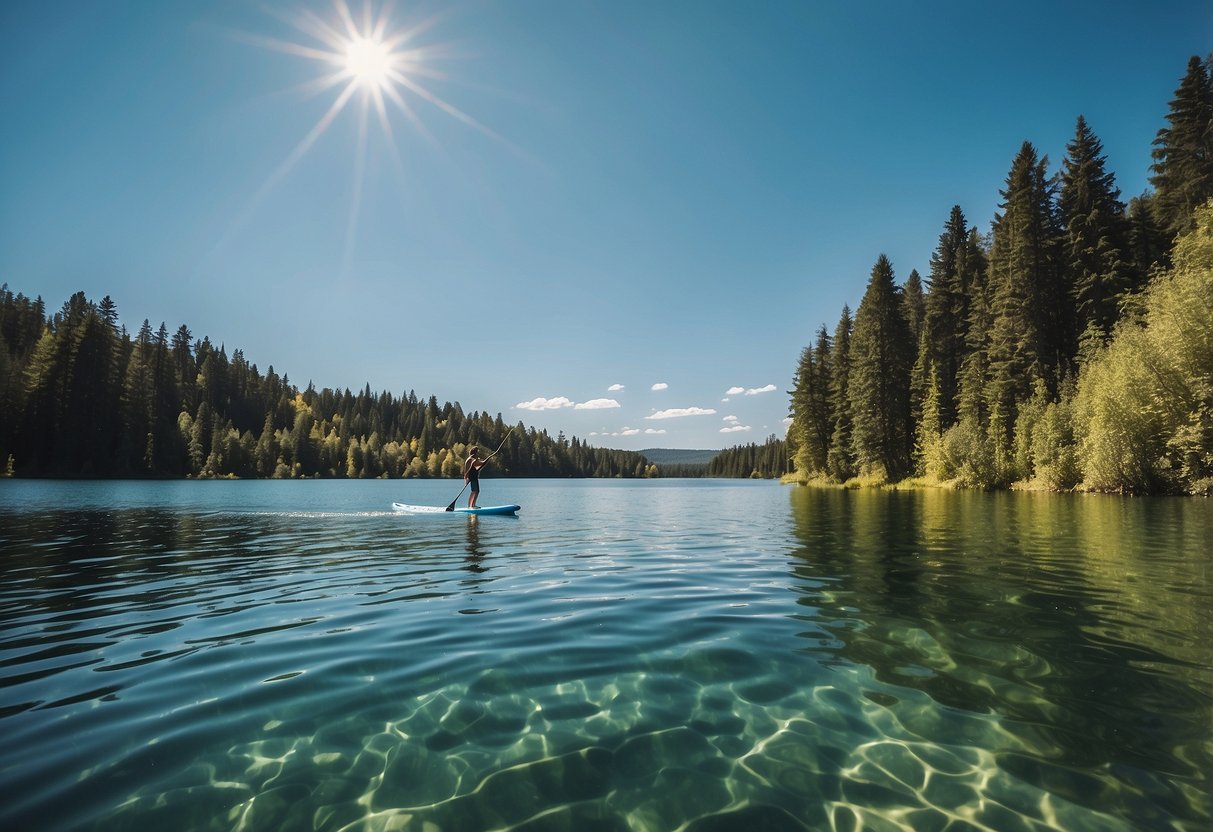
pixel 451 507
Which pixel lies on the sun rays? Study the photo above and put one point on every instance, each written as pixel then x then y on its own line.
pixel 372 66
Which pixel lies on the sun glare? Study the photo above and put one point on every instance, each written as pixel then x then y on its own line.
pixel 372 65
pixel 368 61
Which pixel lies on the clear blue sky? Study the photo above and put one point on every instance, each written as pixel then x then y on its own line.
pixel 587 195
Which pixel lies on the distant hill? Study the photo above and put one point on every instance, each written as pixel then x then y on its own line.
pixel 678 456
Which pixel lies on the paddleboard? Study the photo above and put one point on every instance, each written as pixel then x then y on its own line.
pixel 442 509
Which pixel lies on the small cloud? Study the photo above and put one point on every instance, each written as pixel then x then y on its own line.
pixel 614 388
pixel 730 419
pixel 654 431
pixel 735 429
pixel 734 391
pixel 545 404
pixel 725 400
pixel 787 421
pixel 623 432
pixel 754 391
pixel 597 404
pixel 677 412
pixel 661 385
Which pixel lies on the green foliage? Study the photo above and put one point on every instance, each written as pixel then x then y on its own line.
pixel 1183 151
pixel 929 461
pixel 966 456
pixel 841 458
pixel 1144 407
pixel 812 425
pixel 1061 354
pixel 766 461
pixel 1095 233
pixel 879 387
pixel 1031 320
pixel 1045 452
pixel 77 397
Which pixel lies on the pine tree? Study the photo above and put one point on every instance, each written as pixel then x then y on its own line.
pixel 879 386
pixel 1183 151
pixel 137 404
pixel 1148 249
pixel 947 311
pixel 812 418
pixel 841 460
pixel 44 396
pixel 804 381
pixel 1030 334
pixel 915 310
pixel 1095 233
pixel 929 430
pixel 822 402
pixel 914 305
pixel 971 408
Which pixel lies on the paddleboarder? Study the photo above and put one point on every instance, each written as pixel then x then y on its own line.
pixel 471 474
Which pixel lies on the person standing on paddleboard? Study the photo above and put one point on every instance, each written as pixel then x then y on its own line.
pixel 471 474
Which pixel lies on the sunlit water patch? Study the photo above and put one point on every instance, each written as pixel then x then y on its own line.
pixel 621 656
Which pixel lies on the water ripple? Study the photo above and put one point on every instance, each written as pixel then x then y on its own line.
pixel 608 660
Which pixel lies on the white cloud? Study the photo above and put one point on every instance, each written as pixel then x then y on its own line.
pixel 661 385
pixel 545 404
pixel 787 421
pixel 754 391
pixel 597 404
pixel 623 432
pixel 654 431
pixel 734 391
pixel 730 419
pixel 735 429
pixel 676 412
pixel 614 388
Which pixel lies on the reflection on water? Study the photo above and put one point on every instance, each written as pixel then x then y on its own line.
pixel 662 656
pixel 1079 622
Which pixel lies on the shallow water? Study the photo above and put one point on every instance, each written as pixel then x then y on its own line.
pixel 667 655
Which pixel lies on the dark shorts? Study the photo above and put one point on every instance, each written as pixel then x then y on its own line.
pixel 474 481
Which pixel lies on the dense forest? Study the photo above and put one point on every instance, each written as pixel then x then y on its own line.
pixel 79 396
pixel 766 461
pixel 1071 347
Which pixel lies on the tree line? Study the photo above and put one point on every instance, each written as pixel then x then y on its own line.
pixel 752 461
pixel 1070 347
pixel 79 396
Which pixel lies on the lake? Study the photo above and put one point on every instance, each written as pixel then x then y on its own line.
pixel 698 655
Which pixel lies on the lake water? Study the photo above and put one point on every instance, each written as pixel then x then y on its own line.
pixel 671 655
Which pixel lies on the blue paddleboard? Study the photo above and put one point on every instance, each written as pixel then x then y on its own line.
pixel 442 510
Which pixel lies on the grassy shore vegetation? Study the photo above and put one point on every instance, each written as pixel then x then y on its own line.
pixel 1071 348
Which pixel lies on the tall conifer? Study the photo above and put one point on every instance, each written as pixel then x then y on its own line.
pixel 1183 151
pixel 1095 233
pixel 947 311
pixel 841 461
pixel 1031 320
pixel 879 388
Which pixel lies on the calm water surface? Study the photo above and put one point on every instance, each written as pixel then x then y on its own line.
pixel 668 655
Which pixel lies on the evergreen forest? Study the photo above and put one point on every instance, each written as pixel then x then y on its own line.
pixel 766 461
pixel 80 397
pixel 1071 347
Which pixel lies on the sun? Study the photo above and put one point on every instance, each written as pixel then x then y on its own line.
pixel 376 68
pixel 369 62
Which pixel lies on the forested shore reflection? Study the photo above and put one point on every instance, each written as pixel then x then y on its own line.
pixel 1081 621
